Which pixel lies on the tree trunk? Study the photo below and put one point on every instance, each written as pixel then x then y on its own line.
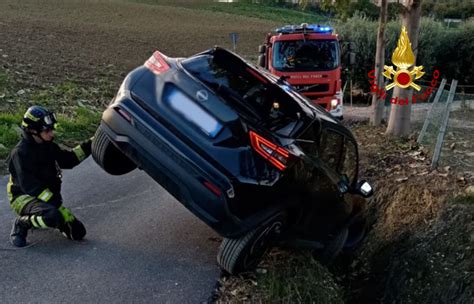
pixel 378 102
pixel 399 122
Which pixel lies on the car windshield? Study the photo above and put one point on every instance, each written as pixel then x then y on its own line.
pixel 243 87
pixel 306 55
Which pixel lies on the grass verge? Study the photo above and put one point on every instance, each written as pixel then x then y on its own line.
pixel 72 129
pixel 78 109
pixel 283 277
pixel 255 10
pixel 418 249
pixel 297 277
pixel 465 198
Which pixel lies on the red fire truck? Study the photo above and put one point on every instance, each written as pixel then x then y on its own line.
pixel 308 56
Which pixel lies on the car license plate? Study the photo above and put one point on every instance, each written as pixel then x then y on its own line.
pixel 194 113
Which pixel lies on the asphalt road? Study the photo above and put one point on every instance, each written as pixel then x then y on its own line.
pixel 142 246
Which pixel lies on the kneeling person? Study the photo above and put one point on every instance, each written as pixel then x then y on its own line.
pixel 34 188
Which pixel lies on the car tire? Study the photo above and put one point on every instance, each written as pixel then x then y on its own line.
pixel 108 157
pixel 333 248
pixel 244 253
pixel 356 234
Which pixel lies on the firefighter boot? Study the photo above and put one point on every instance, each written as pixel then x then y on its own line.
pixel 20 231
pixel 74 230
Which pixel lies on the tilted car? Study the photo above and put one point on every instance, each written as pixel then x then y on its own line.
pixel 248 155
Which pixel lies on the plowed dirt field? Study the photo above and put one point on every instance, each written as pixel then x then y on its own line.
pixel 55 40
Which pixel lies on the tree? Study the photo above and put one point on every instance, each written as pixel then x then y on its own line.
pixel 399 121
pixel 342 7
pixel 377 100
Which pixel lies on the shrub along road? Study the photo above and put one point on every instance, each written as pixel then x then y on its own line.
pixel 142 246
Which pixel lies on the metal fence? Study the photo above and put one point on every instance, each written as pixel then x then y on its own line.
pixel 448 130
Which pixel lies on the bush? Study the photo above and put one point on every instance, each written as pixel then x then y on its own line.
pixel 363 32
pixel 454 54
pixel 447 49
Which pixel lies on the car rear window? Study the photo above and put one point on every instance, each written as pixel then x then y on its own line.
pixel 243 87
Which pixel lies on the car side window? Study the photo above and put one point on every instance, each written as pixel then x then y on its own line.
pixel 349 166
pixel 331 149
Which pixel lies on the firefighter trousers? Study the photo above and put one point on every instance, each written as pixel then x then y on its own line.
pixel 47 215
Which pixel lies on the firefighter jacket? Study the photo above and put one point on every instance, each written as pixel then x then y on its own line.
pixel 35 170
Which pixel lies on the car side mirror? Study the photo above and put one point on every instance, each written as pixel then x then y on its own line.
pixel 262 49
pixel 364 189
pixel 261 60
pixel 343 185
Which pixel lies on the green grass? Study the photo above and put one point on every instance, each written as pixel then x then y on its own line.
pixel 262 11
pixel 72 129
pixel 465 198
pixel 6 90
pixel 9 132
pixel 295 277
pixel 78 109
pixel 67 95
pixel 3 81
pixel 82 125
pixel 279 14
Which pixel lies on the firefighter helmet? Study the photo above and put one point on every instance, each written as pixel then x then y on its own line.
pixel 39 119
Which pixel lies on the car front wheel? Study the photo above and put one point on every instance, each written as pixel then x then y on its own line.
pixel 244 253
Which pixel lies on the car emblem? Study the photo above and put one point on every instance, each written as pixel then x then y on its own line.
pixel 202 95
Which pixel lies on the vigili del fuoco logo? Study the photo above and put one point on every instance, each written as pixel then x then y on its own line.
pixel 403 58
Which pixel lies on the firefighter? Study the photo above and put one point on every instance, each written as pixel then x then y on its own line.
pixel 34 187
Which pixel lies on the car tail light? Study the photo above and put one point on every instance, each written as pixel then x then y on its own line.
pixel 157 64
pixel 274 154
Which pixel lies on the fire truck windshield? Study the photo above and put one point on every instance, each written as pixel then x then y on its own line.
pixel 303 56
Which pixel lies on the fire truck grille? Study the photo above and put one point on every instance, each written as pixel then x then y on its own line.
pixel 312 88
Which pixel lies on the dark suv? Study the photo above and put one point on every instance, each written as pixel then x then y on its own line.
pixel 248 155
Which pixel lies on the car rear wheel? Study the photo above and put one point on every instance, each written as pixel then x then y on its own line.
pixel 244 253
pixel 107 156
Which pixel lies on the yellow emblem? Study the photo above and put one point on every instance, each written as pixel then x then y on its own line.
pixel 403 58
